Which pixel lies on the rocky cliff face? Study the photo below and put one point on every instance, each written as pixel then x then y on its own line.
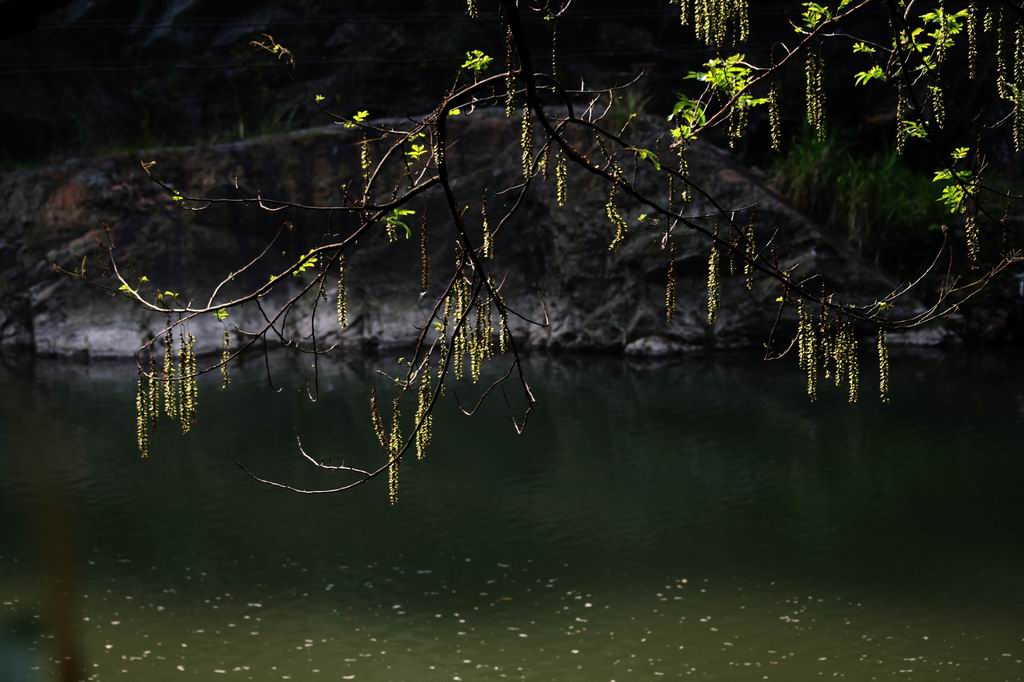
pixel 553 260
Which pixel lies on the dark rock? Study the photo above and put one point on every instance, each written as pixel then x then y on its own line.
pixel 554 261
pixel 655 347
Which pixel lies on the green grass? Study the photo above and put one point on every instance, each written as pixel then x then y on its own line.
pixel 876 201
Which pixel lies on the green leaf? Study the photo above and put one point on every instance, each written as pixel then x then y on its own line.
pixel 394 219
pixel 813 15
pixel 913 129
pixel 952 196
pixel 647 155
pixel 358 117
pixel 222 314
pixel 477 61
pixel 946 174
pixel 690 114
pixel 748 102
pixel 865 77
pixel 305 263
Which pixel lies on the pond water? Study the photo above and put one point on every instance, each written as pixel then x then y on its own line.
pixel 692 520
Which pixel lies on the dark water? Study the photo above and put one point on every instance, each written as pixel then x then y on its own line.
pixel 693 520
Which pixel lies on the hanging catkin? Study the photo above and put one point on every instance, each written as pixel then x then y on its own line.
pixel 510 82
pixel 807 350
pixel 423 416
pixel 526 142
pixel 714 285
pixel 424 255
pixel 972 39
pixel 169 383
pixel 616 219
pixel 141 419
pixel 364 163
pixel 670 282
pixel 561 177
pixel 883 367
pixel 487 249
pixel 394 448
pixel 342 294
pixel 376 421
pixel 225 357
pixel 773 118
pixel 814 73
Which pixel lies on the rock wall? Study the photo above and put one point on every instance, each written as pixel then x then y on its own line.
pixel 551 259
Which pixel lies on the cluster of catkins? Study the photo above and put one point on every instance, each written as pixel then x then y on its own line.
pixel 176 389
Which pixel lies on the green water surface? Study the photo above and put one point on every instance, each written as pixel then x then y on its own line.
pixel 692 520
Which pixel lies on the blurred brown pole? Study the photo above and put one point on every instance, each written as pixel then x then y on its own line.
pixel 59 569
pixel 55 539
